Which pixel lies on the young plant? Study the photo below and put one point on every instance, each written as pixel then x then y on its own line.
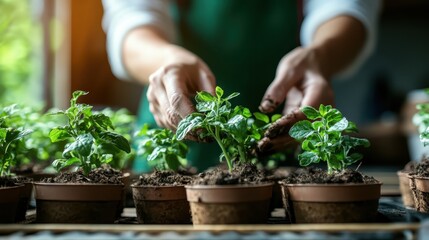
pixel 91 143
pixel 233 128
pixel 11 145
pixel 323 139
pixel 162 149
pixel 421 120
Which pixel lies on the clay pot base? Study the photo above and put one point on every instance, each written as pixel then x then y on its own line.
pixel 163 212
pixel 342 212
pixel 230 213
pixel 76 212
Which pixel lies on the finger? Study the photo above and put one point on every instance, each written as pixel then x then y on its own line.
pixel 268 146
pixel 293 100
pixel 283 124
pixel 317 91
pixel 177 95
pixel 287 76
pixel 154 106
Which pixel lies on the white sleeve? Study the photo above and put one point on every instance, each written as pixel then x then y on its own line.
pixel 121 16
pixel 316 12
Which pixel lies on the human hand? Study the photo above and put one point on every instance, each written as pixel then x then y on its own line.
pixel 299 82
pixel 173 85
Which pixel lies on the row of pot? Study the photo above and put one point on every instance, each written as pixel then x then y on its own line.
pixel 201 204
pixel 414 190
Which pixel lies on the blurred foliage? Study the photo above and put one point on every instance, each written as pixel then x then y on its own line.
pixel 20 43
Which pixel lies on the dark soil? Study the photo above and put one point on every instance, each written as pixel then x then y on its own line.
pixel 99 176
pixel 22 179
pixel 165 178
pixel 6 182
pixel 240 174
pixel 317 175
pixel 421 168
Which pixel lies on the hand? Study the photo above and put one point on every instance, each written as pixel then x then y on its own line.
pixel 173 85
pixel 299 82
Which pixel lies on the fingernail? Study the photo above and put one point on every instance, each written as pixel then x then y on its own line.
pixel 267 105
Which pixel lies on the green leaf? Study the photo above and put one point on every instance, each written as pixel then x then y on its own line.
pixel 275 117
pixel 102 121
pixel 310 112
pixel 58 134
pixel 219 92
pixel 339 126
pixel 301 130
pixel 262 117
pixel 307 158
pixel 353 158
pixel 116 140
pixel 172 162
pixel 186 125
pixel 231 96
pixel 82 145
pixel 204 97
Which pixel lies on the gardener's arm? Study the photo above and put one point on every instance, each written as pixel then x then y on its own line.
pixel 334 42
pixel 140 36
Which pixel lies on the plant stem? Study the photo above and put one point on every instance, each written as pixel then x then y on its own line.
pixel 225 152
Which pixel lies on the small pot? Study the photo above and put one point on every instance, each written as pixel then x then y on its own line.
pixel 404 187
pixel 161 204
pixel 229 204
pixel 24 201
pixel 420 189
pixel 331 203
pixel 77 203
pixel 9 198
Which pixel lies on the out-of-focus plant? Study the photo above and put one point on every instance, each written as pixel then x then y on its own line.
pixel 20 41
pixel 40 150
pixel 421 120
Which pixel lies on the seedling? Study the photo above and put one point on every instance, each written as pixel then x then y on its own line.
pixel 233 128
pixel 162 148
pixel 421 120
pixel 11 145
pixel 91 143
pixel 324 139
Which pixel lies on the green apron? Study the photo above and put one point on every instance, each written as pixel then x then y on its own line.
pixel 242 41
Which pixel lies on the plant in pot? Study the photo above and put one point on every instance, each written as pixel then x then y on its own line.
pixel 160 197
pixel 239 194
pixel 10 191
pixel 418 173
pixel 338 195
pixel 88 190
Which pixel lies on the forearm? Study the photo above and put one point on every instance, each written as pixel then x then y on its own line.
pixel 144 51
pixel 337 43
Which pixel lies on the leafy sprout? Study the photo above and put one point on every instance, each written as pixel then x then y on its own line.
pixel 91 141
pixel 323 139
pixel 162 149
pixel 421 120
pixel 11 145
pixel 235 129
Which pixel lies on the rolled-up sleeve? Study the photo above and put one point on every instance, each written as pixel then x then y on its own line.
pixel 316 12
pixel 121 16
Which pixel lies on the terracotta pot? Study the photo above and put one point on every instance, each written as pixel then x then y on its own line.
pixel 331 203
pixel 125 179
pixel 229 204
pixel 404 187
pixel 24 201
pixel 161 204
pixel 9 198
pixel 420 189
pixel 77 203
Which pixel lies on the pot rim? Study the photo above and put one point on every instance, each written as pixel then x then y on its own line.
pixel 154 186
pixel 232 186
pixel 327 184
pixel 347 192
pixel 78 192
pixel 237 193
